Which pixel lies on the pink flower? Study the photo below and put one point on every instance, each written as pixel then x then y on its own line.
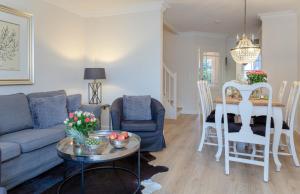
pixel 87 120
pixel 71 115
pixel 75 119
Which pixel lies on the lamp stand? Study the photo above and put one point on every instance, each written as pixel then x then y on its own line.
pixel 95 92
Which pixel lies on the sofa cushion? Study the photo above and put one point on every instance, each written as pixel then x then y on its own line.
pixel 32 139
pixel 14 113
pixel 48 111
pixel 73 102
pixel 45 94
pixel 9 150
pixel 141 126
pixel 137 107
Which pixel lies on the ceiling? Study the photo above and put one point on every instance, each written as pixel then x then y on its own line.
pixel 218 16
pixel 221 16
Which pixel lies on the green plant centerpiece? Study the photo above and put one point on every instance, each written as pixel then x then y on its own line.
pixel 257 76
pixel 79 124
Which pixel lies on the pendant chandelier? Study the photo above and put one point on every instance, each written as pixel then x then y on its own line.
pixel 245 51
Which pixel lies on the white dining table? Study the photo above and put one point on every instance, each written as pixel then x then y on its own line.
pixel 259 105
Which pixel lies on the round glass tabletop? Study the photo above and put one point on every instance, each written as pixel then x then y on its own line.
pixel 104 153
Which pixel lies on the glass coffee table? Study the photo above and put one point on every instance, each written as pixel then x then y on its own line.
pixel 104 153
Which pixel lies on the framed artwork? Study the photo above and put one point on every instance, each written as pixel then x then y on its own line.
pixel 16 47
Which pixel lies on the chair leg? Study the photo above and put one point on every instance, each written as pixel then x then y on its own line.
pixel 204 128
pixel 293 149
pixel 253 151
pixel 227 157
pixel 234 149
pixel 266 163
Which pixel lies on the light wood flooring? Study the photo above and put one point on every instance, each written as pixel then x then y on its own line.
pixel 192 172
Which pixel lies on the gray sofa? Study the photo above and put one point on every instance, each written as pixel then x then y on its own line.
pixel 26 150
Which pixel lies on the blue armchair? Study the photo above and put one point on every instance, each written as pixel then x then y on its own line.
pixel 151 132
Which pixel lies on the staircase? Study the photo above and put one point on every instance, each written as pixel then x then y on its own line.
pixel 170 93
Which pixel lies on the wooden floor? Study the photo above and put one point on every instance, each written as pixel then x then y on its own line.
pixel 192 172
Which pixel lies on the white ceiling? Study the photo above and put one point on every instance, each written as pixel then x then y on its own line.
pixel 218 16
pixel 96 8
pixel 221 16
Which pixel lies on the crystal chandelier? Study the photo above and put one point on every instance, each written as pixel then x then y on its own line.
pixel 245 51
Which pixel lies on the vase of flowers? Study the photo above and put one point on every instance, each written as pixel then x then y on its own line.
pixel 257 76
pixel 79 124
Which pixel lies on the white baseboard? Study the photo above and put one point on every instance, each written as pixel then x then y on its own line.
pixel 189 112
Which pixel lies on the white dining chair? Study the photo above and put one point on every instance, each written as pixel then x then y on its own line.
pixel 208 124
pixel 288 125
pixel 245 132
pixel 282 91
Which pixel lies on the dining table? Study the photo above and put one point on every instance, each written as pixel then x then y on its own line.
pixel 261 106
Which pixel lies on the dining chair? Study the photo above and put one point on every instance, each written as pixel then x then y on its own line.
pixel 288 126
pixel 208 122
pixel 245 132
pixel 208 115
pixel 282 91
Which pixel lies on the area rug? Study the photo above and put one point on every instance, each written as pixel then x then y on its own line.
pixel 106 181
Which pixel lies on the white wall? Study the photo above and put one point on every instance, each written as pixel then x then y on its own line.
pixel 280 48
pixel 128 46
pixel 59 46
pixel 181 56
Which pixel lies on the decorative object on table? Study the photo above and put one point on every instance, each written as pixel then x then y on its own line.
pixel 245 51
pixel 150 131
pixel 119 140
pixel 257 76
pixel 79 124
pixel 95 87
pixel 16 47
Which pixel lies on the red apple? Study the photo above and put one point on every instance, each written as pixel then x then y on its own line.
pixel 121 137
pixel 113 135
pixel 125 133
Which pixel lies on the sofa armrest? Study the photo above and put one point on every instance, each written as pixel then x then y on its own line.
pixel 158 113
pixel 116 113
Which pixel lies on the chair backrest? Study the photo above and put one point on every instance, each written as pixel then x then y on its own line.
pixel 292 103
pixel 205 101
pixel 282 91
pixel 246 109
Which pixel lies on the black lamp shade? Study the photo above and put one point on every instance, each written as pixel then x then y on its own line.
pixel 94 73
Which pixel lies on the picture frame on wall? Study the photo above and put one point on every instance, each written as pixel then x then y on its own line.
pixel 16 47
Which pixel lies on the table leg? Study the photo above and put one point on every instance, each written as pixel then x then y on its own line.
pixel 218 121
pixel 82 178
pixel 139 169
pixel 277 115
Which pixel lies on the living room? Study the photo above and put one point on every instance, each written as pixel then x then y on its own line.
pixel 141 59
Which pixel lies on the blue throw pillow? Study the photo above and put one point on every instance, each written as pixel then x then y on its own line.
pixel 73 102
pixel 48 111
pixel 137 108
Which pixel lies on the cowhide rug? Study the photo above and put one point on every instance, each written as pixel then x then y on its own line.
pixel 96 182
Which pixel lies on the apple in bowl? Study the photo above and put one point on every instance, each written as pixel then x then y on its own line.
pixel 119 139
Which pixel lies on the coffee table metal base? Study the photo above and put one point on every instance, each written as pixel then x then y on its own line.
pixel 82 171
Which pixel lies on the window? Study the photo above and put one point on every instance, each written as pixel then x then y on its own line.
pixel 209 68
pixel 256 65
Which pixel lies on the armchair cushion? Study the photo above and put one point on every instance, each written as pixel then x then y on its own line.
pixel 9 150
pixel 73 102
pixel 137 107
pixel 32 139
pixel 135 126
pixel 48 111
